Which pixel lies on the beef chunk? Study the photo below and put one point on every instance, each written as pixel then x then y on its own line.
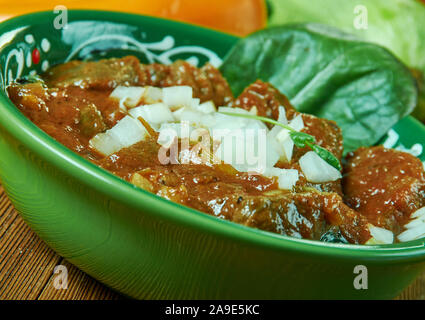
pixel 91 120
pixel 207 82
pixel 384 185
pixel 254 201
pixel 71 115
pixel 102 74
pixel 265 98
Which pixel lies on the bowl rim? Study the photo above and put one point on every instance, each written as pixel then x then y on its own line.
pixel 33 138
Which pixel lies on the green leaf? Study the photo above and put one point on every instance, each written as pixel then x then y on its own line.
pixel 330 74
pixel 325 155
pixel 397 25
pixel 301 138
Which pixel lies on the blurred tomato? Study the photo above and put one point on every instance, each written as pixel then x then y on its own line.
pixel 239 17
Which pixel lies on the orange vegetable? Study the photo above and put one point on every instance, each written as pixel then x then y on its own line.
pixel 238 17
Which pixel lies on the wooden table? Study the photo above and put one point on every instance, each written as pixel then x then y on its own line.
pixel 27 267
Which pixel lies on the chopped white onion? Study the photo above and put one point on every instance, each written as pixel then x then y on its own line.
pixel 230 122
pixel 125 133
pixel 129 96
pixel 413 233
pixel 254 111
pixel 297 123
pixel 195 117
pixel 105 144
pixel 207 107
pixel 177 96
pixel 415 229
pixel 419 213
pixel 190 115
pixel 177 113
pixel 152 95
pixel 195 103
pixel 234 110
pixel 380 235
pixel 273 152
pixel 317 170
pixel 154 114
pixel 128 131
pixel 415 223
pixel 282 119
pixel 286 143
pixel 287 178
pixel 168 131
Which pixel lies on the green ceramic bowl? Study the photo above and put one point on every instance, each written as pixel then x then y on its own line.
pixel 140 244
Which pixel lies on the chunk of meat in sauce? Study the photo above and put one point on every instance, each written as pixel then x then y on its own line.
pixel 71 115
pixel 384 185
pixel 207 82
pixel 102 74
pixel 253 201
pixel 250 200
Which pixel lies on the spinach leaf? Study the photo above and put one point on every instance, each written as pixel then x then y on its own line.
pixel 398 25
pixel 325 72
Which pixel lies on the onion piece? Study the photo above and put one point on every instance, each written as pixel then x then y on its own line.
pixel 194 117
pixel 105 144
pixel 224 121
pixel 129 96
pixel 380 235
pixel 416 222
pixel 415 229
pixel 169 131
pixel 273 152
pixel 177 96
pixel 207 107
pixel 152 95
pixel 195 103
pixel 177 113
pixel 287 178
pixel 412 233
pixel 234 110
pixel 154 114
pixel 297 123
pixel 286 144
pixel 317 170
pixel 190 115
pixel 419 213
pixel 282 119
pixel 125 133
pixel 128 131
pixel 254 111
